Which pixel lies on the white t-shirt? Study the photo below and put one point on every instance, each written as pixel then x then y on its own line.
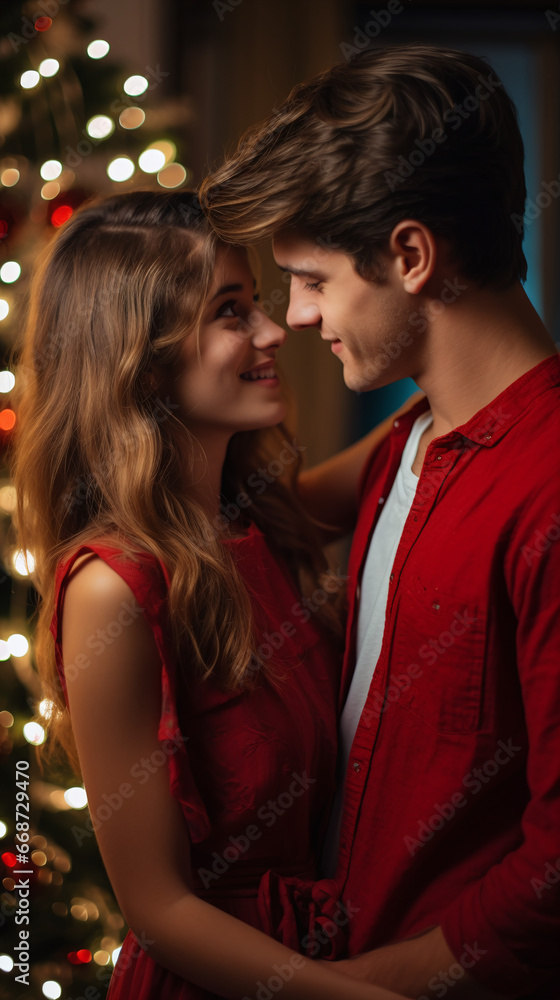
pixel 371 617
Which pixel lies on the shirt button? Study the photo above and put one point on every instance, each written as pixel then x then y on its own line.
pixel 381 500
pixel 358 592
pixel 356 766
pixel 396 423
pixel 391 577
pixel 436 606
pixel 487 436
pixel 438 458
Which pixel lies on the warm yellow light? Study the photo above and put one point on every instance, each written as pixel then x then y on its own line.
pixel 8 499
pixel 132 118
pixel 168 148
pixel 9 177
pixel 172 176
pixel 50 190
pixel 23 562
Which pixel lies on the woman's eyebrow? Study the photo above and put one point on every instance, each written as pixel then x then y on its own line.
pixel 231 288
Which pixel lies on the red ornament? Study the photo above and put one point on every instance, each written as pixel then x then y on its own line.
pixel 61 215
pixel 43 23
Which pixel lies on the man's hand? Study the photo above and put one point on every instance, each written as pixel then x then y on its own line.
pixel 418 967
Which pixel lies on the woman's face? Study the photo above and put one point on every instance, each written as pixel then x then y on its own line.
pixel 232 385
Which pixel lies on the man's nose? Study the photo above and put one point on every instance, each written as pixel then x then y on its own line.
pixel 302 314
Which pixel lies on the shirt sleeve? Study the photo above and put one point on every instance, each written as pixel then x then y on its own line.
pixel 513 913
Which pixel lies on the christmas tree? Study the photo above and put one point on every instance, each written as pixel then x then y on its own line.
pixel 72 124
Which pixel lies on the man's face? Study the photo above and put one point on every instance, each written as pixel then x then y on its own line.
pixel 366 323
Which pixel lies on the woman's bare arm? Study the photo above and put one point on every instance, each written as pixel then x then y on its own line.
pixel 329 490
pixel 115 705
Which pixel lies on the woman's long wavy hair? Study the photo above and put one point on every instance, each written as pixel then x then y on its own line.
pixel 95 454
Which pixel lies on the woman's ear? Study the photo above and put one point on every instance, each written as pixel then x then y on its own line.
pixel 414 247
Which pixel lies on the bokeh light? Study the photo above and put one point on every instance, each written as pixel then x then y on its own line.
pixel 10 271
pixel 43 23
pixel 98 49
pixel 9 177
pixel 61 215
pixel 34 733
pixel 6 963
pixel 50 190
pixel 4 310
pixel 7 379
pixel 100 127
pixel 52 989
pixel 172 176
pixel 120 169
pixel 23 562
pixel 135 85
pixel 17 644
pixel 76 797
pixel 7 420
pixel 8 499
pixel 132 118
pixel 29 79
pixel 49 67
pixel 151 160
pixel 50 170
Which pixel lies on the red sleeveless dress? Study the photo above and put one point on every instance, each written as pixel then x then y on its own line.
pixel 256 775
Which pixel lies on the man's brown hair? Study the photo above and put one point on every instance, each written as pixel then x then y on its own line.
pixel 415 132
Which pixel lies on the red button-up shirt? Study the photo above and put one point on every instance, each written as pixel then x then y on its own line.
pixel 452 797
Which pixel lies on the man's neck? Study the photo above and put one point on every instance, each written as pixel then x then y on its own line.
pixel 477 348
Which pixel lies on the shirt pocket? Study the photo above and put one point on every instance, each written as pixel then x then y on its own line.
pixel 440 645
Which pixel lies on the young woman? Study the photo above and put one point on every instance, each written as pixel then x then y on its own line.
pixel 189 631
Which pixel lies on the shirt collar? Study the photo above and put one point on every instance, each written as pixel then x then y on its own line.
pixel 492 422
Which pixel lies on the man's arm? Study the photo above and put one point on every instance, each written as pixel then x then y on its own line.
pixel 422 966
pixel 329 491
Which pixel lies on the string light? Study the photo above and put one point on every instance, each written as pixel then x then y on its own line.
pixel 151 160
pixel 50 190
pixel 29 79
pixel 7 420
pixel 120 169
pixel 7 379
pixel 4 310
pixel 34 733
pixel 10 177
pixel 172 176
pixel 4 655
pixel 50 170
pixel 100 127
pixel 132 118
pixel 10 271
pixel 76 797
pixel 61 215
pixel 98 49
pixel 3 829
pixel 6 963
pixel 52 989
pixel 23 562
pixel 135 85
pixel 17 644
pixel 49 67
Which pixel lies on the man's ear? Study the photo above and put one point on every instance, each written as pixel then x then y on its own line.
pixel 414 249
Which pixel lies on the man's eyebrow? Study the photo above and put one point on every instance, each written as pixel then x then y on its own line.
pixel 302 272
pixel 231 288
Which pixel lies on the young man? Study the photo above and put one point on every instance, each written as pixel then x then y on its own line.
pixel 393 188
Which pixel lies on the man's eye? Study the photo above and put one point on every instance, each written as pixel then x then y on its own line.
pixel 312 286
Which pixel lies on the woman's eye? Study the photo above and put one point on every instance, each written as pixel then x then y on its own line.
pixel 227 309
